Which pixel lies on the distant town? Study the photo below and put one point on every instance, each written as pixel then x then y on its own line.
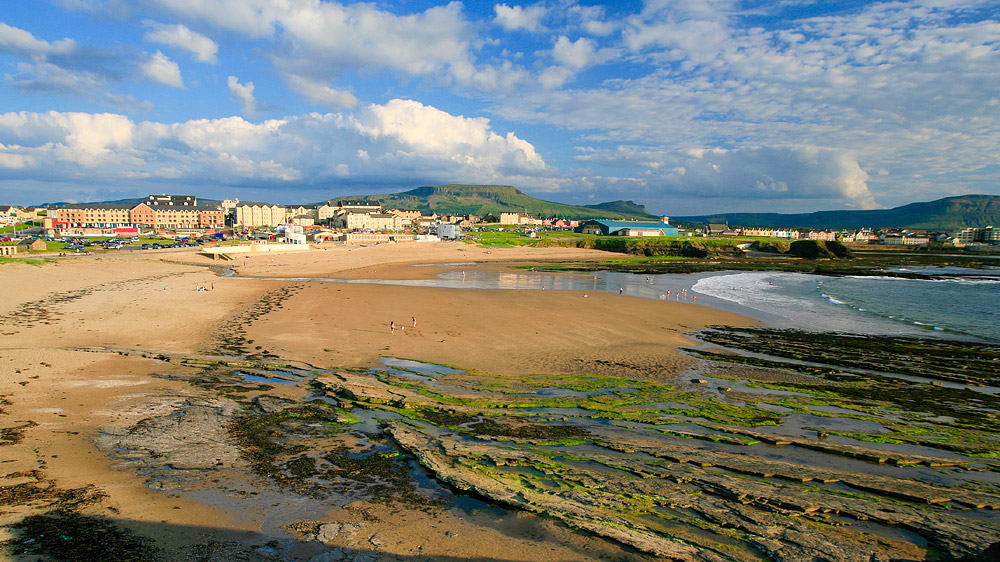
pixel 184 220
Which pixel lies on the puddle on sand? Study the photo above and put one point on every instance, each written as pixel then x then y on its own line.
pixel 419 367
pixel 288 378
pixel 286 506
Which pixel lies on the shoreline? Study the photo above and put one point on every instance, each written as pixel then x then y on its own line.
pixel 672 287
pixel 122 351
pixel 53 312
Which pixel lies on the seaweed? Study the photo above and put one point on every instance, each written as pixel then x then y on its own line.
pixel 72 537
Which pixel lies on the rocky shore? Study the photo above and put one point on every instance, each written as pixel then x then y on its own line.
pixel 284 421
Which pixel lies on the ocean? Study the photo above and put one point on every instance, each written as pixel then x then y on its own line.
pixel 954 302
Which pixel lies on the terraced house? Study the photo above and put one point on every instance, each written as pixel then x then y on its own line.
pixel 253 214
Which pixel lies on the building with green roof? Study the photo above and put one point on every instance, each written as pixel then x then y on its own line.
pixel 601 227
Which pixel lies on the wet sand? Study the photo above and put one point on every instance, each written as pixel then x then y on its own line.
pixel 58 394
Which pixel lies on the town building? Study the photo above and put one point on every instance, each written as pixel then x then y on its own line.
pixel 863 236
pixel 823 235
pixel 377 237
pixel 759 232
pixel 9 214
pixel 351 220
pixel 325 212
pixel 449 231
pixel 144 215
pixel 295 235
pixel 903 238
pixel 249 214
pixel 303 211
pixel 409 217
pixel 360 206
pixel 987 235
pixel 519 219
pixel 603 227
pixel 229 206
pixel 32 244
pixel 302 220
pixel 564 223
pixel 173 200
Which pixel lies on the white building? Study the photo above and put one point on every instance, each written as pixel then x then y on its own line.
pixel 251 214
pixel 519 218
pixel 447 231
pixel 349 220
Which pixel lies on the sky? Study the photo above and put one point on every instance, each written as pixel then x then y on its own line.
pixel 684 106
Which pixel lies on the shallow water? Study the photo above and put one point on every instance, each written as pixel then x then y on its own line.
pixel 958 301
pixel 283 379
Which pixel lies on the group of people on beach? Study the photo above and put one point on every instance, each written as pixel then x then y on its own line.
pixel 392 325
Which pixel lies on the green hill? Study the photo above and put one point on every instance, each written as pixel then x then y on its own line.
pixel 482 199
pixel 950 213
pixel 630 208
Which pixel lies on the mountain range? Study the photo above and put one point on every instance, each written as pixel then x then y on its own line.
pixel 947 214
pixel 950 213
pixel 484 199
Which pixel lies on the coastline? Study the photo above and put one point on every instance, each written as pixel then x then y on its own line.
pixel 63 395
pixel 115 350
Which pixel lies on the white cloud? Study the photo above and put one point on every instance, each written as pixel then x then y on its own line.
pixel 764 172
pixel 554 77
pixel 65 68
pixel 85 139
pixel 47 77
pixel 255 18
pixel 600 28
pixel 321 41
pixel 180 37
pixel 794 172
pixel 18 41
pixel 453 141
pixel 326 37
pixel 9 158
pixel 159 68
pixel 513 18
pixel 570 58
pixel 321 93
pixel 898 85
pixel 400 141
pixel 574 54
pixel 908 87
pixel 243 93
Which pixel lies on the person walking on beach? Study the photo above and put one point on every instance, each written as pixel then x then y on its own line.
pixel 392 326
pixel 621 290
pixel 414 321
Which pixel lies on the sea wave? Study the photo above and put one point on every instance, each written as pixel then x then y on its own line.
pixel 960 280
pixel 831 299
pixel 810 302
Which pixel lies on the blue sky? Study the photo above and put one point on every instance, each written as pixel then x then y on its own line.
pixel 685 106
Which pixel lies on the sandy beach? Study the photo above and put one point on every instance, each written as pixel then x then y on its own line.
pixel 164 406
pixel 79 337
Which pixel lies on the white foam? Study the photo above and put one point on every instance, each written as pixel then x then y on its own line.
pixel 793 298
